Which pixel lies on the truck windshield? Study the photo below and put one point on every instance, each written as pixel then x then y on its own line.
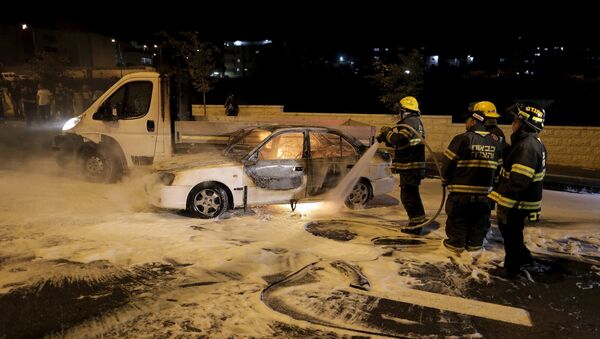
pixel 244 141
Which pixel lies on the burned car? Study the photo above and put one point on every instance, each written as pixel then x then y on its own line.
pixel 268 165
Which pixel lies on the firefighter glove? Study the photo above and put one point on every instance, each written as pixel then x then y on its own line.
pixel 383 133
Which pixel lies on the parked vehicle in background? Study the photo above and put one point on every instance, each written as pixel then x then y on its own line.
pixel 268 165
pixel 9 76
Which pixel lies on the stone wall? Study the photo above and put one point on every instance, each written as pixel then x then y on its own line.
pixel 567 146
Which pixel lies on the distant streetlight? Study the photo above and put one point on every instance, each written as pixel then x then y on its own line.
pixel 120 61
pixel 25 27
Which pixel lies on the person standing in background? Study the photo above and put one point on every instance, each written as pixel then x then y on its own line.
pixel 44 99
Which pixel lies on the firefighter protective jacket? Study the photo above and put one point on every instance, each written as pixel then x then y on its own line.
pixel 409 153
pixel 471 161
pixel 522 173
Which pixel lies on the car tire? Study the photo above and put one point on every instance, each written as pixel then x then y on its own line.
pixel 98 166
pixel 360 195
pixel 207 201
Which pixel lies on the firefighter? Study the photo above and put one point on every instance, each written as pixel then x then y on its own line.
pixel 488 109
pixel 469 166
pixel 409 160
pixel 519 193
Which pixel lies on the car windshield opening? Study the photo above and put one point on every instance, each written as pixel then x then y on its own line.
pixel 244 141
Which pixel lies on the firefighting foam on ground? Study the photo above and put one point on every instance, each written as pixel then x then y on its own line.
pixel 94 259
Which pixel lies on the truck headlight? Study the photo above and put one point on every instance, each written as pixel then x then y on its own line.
pixel 71 123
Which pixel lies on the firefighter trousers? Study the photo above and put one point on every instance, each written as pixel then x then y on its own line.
pixel 411 198
pixel 468 220
pixel 511 222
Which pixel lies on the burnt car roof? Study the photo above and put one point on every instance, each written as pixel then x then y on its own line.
pixel 273 128
pixel 276 128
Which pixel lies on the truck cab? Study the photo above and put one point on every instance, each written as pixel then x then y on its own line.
pixel 130 124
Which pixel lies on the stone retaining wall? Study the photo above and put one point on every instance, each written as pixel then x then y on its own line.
pixel 567 146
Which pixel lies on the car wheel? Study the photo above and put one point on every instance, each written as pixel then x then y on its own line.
pixel 360 195
pixel 99 167
pixel 207 201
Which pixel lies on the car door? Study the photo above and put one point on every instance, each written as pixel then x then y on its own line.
pixel 135 128
pixel 278 168
pixel 331 158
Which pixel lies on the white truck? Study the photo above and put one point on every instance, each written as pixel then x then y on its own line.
pixel 135 122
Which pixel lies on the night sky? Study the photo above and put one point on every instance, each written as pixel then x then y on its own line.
pixel 495 24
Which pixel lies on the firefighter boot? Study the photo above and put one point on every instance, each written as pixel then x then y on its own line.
pixel 411 229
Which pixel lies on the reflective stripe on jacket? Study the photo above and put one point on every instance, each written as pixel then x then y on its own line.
pixel 471 161
pixel 409 153
pixel 522 174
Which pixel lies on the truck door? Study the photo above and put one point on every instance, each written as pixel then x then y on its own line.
pixel 135 104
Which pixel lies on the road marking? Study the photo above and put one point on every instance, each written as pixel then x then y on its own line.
pixel 509 314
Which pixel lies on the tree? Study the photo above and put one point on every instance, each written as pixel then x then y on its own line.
pixel 49 67
pixel 397 80
pixel 198 56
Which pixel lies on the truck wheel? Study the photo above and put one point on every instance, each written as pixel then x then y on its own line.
pixel 360 195
pixel 207 201
pixel 99 167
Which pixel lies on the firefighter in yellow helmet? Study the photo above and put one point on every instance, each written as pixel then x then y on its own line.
pixel 469 167
pixel 488 110
pixel 519 193
pixel 409 160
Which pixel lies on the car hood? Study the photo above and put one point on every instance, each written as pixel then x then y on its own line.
pixel 189 161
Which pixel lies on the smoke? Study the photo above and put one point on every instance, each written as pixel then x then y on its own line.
pixel 20 145
pixel 335 198
pixel 35 189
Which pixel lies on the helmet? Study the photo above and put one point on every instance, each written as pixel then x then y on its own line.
pixel 531 114
pixel 486 108
pixel 410 104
